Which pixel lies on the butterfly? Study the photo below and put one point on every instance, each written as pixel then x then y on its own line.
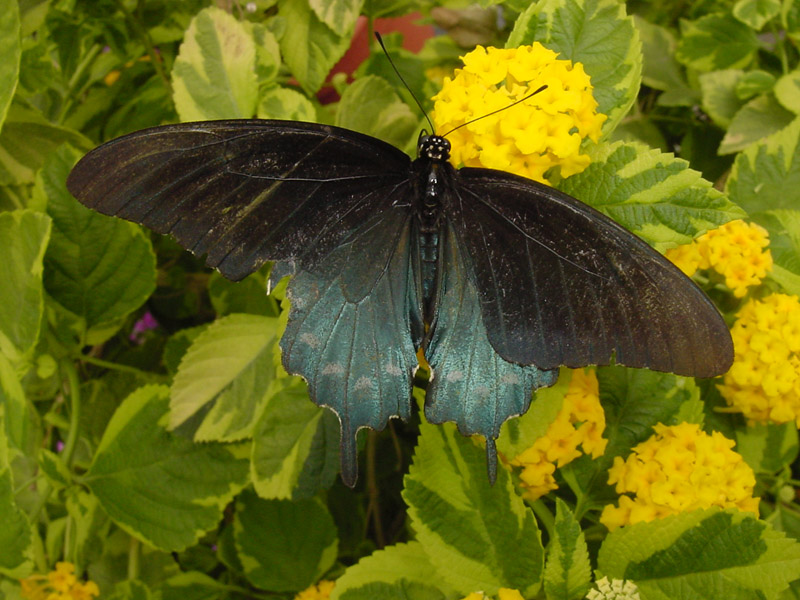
pixel 497 278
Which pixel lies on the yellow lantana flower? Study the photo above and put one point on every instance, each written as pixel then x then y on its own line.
pixel 60 584
pixel 764 381
pixel 580 422
pixel 679 469
pixel 737 251
pixel 533 137
pixel 320 591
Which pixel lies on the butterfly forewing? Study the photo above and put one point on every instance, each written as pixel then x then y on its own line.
pixel 562 284
pixel 243 191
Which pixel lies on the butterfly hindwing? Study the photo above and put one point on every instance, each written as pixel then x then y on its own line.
pixel 243 191
pixel 472 385
pixel 562 284
pixel 357 353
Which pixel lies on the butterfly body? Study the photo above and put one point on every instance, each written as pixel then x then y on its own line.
pixel 499 279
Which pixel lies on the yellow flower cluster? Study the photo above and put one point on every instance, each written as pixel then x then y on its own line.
pixel 764 381
pixel 321 591
pixel 616 589
pixel 679 469
pixel 543 132
pixel 737 251
pixel 61 584
pixel 502 594
pixel 580 422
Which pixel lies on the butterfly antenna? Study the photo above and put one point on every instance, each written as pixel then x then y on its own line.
pixel 380 41
pixel 494 112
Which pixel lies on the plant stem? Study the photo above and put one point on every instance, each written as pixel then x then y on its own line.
pixel 118 367
pixel 134 553
pixel 545 516
pixel 147 41
pixel 68 368
pixel 373 493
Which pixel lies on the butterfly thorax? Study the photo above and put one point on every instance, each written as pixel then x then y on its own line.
pixel 432 169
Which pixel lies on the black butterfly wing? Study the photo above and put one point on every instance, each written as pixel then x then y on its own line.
pixel 244 191
pixel 331 206
pixel 359 355
pixel 472 385
pixel 561 284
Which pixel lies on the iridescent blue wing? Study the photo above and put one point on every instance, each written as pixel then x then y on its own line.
pixel 358 350
pixel 244 191
pixel 562 284
pixel 471 383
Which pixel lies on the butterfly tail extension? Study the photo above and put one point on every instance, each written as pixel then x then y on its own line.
pixel 348 456
pixel 491 460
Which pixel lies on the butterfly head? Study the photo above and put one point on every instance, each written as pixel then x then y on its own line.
pixel 433 147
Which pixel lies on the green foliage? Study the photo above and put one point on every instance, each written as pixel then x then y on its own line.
pixel 148 432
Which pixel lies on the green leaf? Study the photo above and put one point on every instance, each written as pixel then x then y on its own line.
pixel 767 175
pixel 21 419
pixel 517 435
pixel 309 47
pixel 401 589
pixel 246 296
pixel 132 589
pixel 16 542
pixel 97 267
pixel 787 91
pixel 26 140
pixel 393 565
pixel 284 546
pixel 768 448
pixel 757 119
pixel 25 235
pixel 160 487
pixel 268 55
pixel 230 367
pixel 284 438
pixel 192 585
pixel 10 54
pixel 285 103
pixel 567 575
pixel 716 41
pixel 660 69
pixel 654 194
pixel 684 556
pixel 597 33
pixel 756 13
pixel 754 83
pixel 634 400
pixel 87 520
pixel 54 469
pixel 478 536
pixel 784 243
pixel 214 75
pixel 339 15
pixel 370 105
pixel 720 99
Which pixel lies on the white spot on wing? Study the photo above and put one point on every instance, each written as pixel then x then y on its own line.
pixel 482 392
pixel 510 379
pixel 393 369
pixel 363 383
pixel 310 339
pixel 454 376
pixel 332 369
